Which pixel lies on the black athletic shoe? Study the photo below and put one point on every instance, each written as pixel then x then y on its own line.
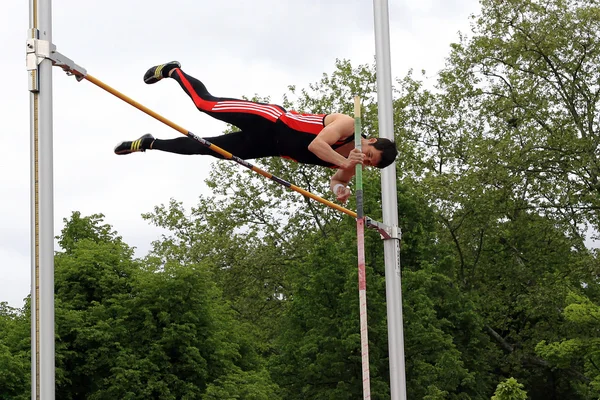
pixel 137 145
pixel 158 72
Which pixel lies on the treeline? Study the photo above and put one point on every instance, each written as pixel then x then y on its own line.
pixel 252 294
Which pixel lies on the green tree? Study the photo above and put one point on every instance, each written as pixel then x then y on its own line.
pixel 239 384
pixel 93 270
pixel 531 67
pixel 510 390
pixel 319 349
pixel 581 346
pixel 504 150
pixel 14 353
pixel 138 329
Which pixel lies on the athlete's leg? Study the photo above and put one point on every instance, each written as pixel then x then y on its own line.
pixel 244 145
pixel 244 114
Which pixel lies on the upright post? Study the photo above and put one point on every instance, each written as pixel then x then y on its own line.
pixel 390 205
pixel 42 214
pixel 360 241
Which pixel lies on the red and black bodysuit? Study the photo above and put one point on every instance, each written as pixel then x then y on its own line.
pixel 266 130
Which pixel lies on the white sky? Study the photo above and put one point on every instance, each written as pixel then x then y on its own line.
pixel 235 47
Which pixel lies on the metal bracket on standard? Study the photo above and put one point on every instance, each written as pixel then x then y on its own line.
pixel 386 232
pixel 39 50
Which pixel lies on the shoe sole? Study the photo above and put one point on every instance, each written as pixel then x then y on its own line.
pixel 122 152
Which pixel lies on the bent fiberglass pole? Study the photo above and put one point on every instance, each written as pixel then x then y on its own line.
pixel 217 149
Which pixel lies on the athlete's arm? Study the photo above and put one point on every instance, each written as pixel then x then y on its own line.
pixel 342 177
pixel 337 127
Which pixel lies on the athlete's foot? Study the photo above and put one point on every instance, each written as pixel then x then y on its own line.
pixel 158 72
pixel 140 144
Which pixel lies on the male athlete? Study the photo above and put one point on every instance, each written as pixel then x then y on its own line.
pixel 268 130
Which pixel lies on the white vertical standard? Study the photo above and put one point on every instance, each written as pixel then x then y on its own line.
pixel 42 204
pixel 390 205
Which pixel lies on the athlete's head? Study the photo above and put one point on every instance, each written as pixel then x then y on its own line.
pixel 379 152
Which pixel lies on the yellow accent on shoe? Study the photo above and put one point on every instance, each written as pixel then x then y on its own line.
pixel 135 145
pixel 158 72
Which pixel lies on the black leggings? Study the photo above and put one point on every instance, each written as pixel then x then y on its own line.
pixel 257 122
pixel 240 144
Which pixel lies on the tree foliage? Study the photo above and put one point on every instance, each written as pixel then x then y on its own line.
pixel 504 148
pixel 252 292
pixel 510 390
pixel 14 353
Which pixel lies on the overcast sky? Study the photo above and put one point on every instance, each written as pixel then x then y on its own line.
pixel 236 47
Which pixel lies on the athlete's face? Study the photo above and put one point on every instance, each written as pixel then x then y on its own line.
pixel 372 156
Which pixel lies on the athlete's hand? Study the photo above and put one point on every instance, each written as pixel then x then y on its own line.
pixel 343 193
pixel 355 157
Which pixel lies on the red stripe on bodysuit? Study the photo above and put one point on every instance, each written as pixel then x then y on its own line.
pixel 309 123
pixel 271 113
pixel 198 101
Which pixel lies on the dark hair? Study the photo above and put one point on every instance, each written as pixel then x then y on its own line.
pixel 388 151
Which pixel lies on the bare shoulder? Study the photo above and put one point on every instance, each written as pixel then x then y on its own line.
pixel 341 124
pixel 338 118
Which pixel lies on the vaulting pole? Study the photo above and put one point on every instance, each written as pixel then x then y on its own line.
pixel 360 241
pixel 42 202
